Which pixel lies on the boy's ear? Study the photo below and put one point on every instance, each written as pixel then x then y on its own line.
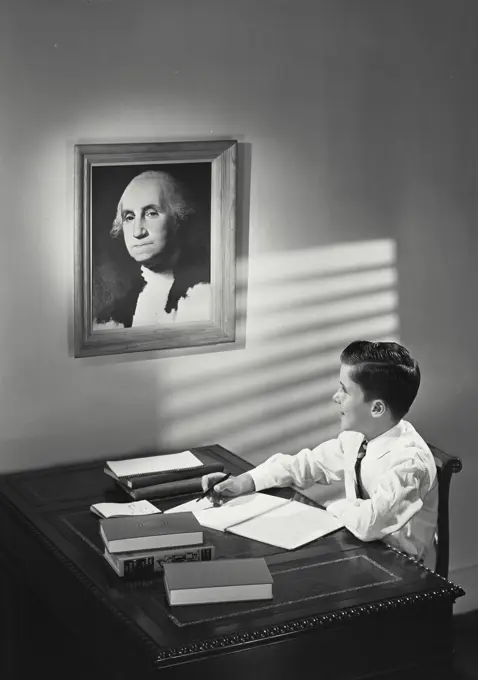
pixel 378 408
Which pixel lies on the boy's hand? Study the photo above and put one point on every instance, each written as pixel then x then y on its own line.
pixel 234 486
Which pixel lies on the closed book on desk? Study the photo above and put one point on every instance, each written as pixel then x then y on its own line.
pixel 218 581
pixel 149 532
pixel 156 478
pixel 137 467
pixel 149 562
pixel 165 490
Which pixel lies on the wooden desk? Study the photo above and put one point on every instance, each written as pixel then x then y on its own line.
pixel 342 608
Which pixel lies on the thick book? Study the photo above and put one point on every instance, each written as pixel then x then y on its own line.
pixel 171 476
pixel 150 532
pixel 229 580
pixel 165 490
pixel 277 521
pixel 149 562
pixel 137 467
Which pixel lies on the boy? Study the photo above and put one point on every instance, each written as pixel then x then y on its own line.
pixel 389 472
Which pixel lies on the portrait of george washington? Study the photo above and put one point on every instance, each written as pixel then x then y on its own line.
pixel 150 236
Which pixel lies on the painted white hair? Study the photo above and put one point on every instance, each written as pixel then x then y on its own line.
pixel 171 200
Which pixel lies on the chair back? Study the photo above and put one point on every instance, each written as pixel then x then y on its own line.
pixel 446 466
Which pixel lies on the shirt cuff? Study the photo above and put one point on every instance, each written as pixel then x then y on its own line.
pixel 262 478
pixel 338 508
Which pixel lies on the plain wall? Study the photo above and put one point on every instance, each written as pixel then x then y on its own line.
pixel 357 124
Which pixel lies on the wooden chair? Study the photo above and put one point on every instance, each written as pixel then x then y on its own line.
pixel 446 466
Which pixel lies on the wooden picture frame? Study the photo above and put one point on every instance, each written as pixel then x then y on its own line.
pixel 107 274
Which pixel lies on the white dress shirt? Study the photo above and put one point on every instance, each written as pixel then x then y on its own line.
pixel 399 479
pixel 196 306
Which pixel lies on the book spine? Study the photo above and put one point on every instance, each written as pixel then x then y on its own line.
pixel 171 476
pixel 183 486
pixel 146 565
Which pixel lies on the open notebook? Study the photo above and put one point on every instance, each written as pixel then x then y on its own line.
pixel 277 521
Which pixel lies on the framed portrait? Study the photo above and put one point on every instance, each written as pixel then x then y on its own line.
pixel 154 246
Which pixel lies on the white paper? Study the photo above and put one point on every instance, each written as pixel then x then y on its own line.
pixel 191 506
pixel 150 464
pixel 124 509
pixel 289 526
pixel 232 511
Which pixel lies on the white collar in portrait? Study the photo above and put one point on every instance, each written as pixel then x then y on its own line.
pixel 196 306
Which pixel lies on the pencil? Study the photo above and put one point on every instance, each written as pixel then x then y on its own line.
pixel 208 491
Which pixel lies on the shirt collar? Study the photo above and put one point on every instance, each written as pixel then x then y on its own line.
pixel 156 278
pixel 381 445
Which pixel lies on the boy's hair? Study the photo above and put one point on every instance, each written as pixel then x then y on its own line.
pixel 384 370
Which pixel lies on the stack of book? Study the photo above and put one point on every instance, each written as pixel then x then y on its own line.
pixel 140 545
pixel 143 545
pixel 161 476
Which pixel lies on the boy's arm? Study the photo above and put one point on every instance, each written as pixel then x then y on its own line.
pixel 396 499
pixel 323 464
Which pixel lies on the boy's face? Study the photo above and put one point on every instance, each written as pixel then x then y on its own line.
pixel 356 414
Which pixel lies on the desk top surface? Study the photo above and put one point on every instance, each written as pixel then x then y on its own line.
pixel 45 518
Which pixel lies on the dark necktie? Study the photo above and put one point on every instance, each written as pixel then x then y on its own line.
pixel 358 478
